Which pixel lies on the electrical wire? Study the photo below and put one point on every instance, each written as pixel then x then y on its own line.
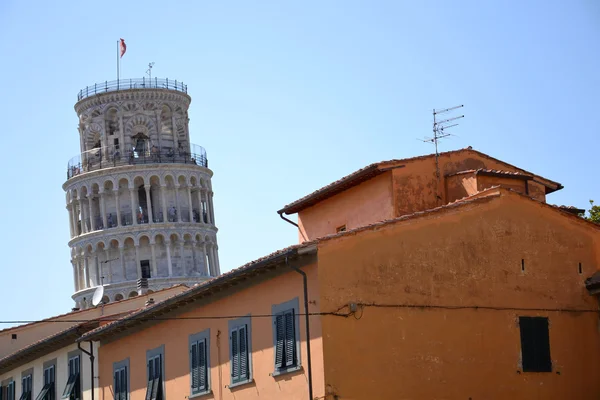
pixel 336 313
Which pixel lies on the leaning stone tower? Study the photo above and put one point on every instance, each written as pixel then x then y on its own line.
pixel 139 194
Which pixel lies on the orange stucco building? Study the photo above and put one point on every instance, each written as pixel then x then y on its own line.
pixel 468 286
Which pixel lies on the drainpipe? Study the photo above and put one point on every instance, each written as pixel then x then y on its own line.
pixel 91 354
pixel 288 220
pixel 304 281
pixel 291 222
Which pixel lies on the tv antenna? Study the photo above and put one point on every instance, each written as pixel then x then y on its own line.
pixel 149 70
pixel 440 127
pixel 439 132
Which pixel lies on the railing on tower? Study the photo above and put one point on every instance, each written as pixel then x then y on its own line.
pixel 126 84
pixel 112 156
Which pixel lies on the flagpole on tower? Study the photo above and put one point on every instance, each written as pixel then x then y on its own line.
pixel 118 62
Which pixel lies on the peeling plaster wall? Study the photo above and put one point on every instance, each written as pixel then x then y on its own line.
pixel 415 185
pixel 465 256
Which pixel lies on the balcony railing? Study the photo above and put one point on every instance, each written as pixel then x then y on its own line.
pixel 125 84
pixel 111 156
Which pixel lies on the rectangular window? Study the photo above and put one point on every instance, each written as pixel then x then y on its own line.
pixel 48 391
pixel 7 390
pixel 26 386
pixel 286 336
pixel 154 389
pixel 200 362
pixel 535 344
pixel 121 380
pixel 73 388
pixel 240 351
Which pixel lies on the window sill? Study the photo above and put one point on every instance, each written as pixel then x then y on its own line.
pixel 238 384
pixel 200 395
pixel 286 371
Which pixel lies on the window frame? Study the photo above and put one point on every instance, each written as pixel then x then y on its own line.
pixel 28 373
pixel 535 364
pixel 234 325
pixel 70 356
pixel 118 366
pixel 8 384
pixel 277 310
pixel 151 355
pixel 50 365
pixel 196 338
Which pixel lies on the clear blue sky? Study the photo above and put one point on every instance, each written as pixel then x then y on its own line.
pixel 287 97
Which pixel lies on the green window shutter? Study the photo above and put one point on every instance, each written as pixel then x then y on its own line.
pixel 235 356
pixel 194 372
pixel 124 388
pixel 243 352
pixel 117 385
pixel 202 365
pixel 290 340
pixel 149 389
pixel 279 340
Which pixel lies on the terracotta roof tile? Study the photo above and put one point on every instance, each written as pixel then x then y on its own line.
pixel 375 169
pixel 190 293
pixel 76 312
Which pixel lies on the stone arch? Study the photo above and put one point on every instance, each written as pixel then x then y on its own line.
pixel 105 299
pixel 169 181
pixel 123 182
pixel 118 297
pixel 99 245
pixel 92 136
pixel 108 186
pixel 182 180
pixel 130 240
pixel 132 294
pixel 139 124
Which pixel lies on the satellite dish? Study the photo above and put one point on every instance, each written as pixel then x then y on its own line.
pixel 98 294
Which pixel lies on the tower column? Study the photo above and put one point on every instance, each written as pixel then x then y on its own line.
pixel 206 259
pixel 133 208
pixel 199 194
pixel 74 218
pixel 103 210
pixel 86 271
pixel 170 265
pixel 83 216
pixel 177 204
pixel 116 194
pixel 211 211
pixel 149 205
pixel 189 193
pixel 194 245
pixel 174 130
pixel 181 257
pixel 122 262
pixel 121 135
pixel 154 266
pixel 217 263
pixel 106 261
pixel 70 211
pixel 164 203
pixel 98 270
pixel 137 261
pixel 90 204
pixel 75 275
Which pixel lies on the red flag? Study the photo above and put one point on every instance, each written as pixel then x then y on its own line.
pixel 123 47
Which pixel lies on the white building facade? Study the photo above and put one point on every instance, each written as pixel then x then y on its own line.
pixel 139 195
